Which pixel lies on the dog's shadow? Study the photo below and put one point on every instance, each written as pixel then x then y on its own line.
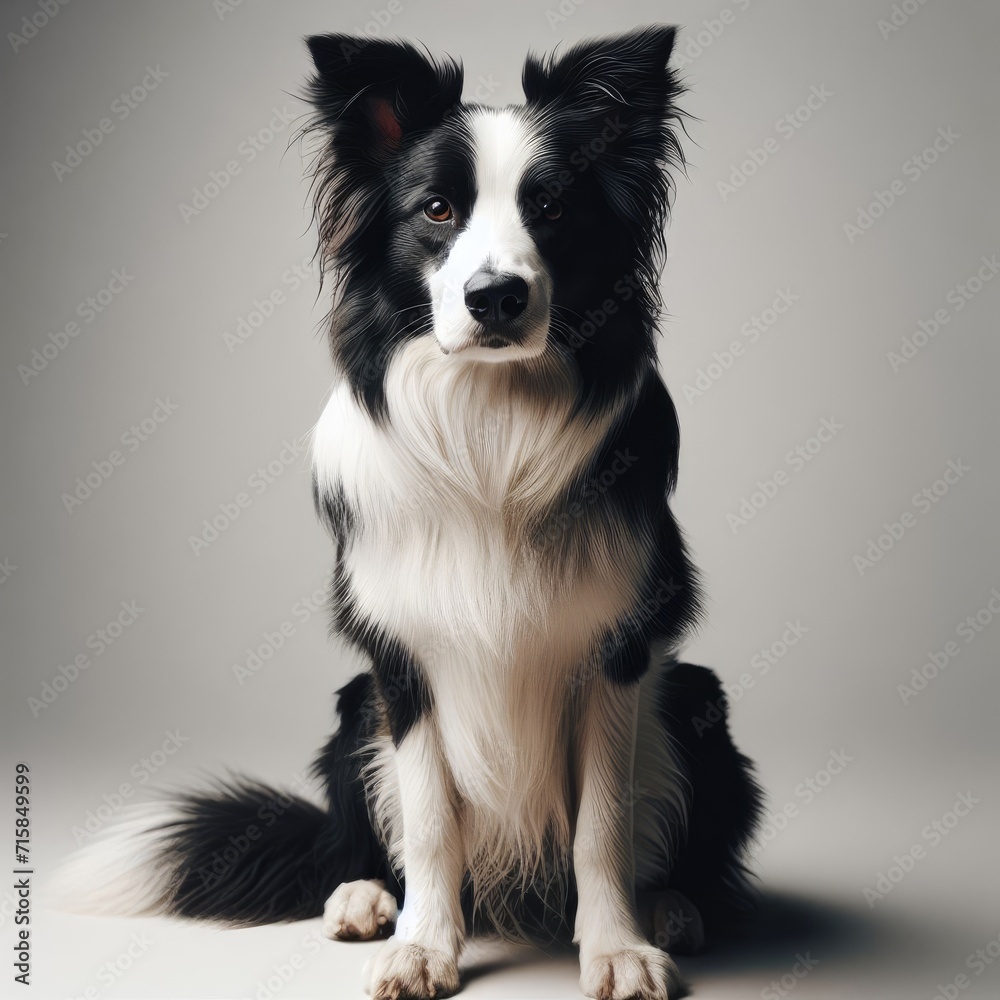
pixel 785 929
pixel 788 930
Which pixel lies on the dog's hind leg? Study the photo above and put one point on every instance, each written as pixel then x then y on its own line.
pixel 724 800
pixel 671 921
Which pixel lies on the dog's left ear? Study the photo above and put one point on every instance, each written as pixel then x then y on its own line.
pixel 371 98
pixel 617 95
pixel 374 95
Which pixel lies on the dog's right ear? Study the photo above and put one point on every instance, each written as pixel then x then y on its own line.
pixel 372 95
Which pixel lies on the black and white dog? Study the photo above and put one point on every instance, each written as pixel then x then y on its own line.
pixel 494 465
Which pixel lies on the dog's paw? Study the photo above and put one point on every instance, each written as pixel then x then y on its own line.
pixel 405 970
pixel 642 972
pixel 358 911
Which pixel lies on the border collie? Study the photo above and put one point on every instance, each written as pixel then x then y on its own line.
pixel 524 756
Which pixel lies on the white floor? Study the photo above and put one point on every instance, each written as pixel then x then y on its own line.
pixel 840 950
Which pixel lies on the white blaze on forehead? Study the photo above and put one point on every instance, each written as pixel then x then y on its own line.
pixel 495 236
pixel 504 147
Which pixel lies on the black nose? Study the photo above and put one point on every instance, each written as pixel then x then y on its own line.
pixel 495 298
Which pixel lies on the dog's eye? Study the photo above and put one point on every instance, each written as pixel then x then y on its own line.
pixel 437 210
pixel 550 208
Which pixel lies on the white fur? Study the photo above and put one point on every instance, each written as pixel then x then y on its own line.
pixel 404 968
pixel 432 847
pixel 430 929
pixel 468 455
pixel 442 488
pixel 358 910
pixel 114 873
pixel 494 238
pixel 616 960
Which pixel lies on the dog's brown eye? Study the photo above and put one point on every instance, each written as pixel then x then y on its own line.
pixel 551 208
pixel 437 210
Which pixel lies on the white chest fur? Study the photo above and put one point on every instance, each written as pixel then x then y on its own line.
pixel 437 557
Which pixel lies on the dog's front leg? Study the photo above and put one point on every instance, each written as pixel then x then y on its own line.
pixel 421 959
pixel 616 960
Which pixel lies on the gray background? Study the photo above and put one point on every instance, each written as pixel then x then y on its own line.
pixel 835 690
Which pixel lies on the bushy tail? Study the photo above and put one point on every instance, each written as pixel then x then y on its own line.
pixel 242 853
pixel 238 852
pixel 248 855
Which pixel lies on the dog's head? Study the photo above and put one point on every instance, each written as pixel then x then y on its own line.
pixel 501 232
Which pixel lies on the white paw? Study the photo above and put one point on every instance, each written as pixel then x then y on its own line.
pixel 641 972
pixel 357 911
pixel 404 970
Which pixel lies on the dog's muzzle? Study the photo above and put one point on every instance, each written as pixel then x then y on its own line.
pixel 495 302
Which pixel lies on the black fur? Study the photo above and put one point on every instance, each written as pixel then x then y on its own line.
pixel 393 127
pixel 366 175
pixel 725 800
pixel 648 439
pixel 247 854
pixel 305 852
pixel 612 106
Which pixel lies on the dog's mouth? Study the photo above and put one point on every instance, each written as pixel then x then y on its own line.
pixel 494 340
pixel 484 344
pixel 487 341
